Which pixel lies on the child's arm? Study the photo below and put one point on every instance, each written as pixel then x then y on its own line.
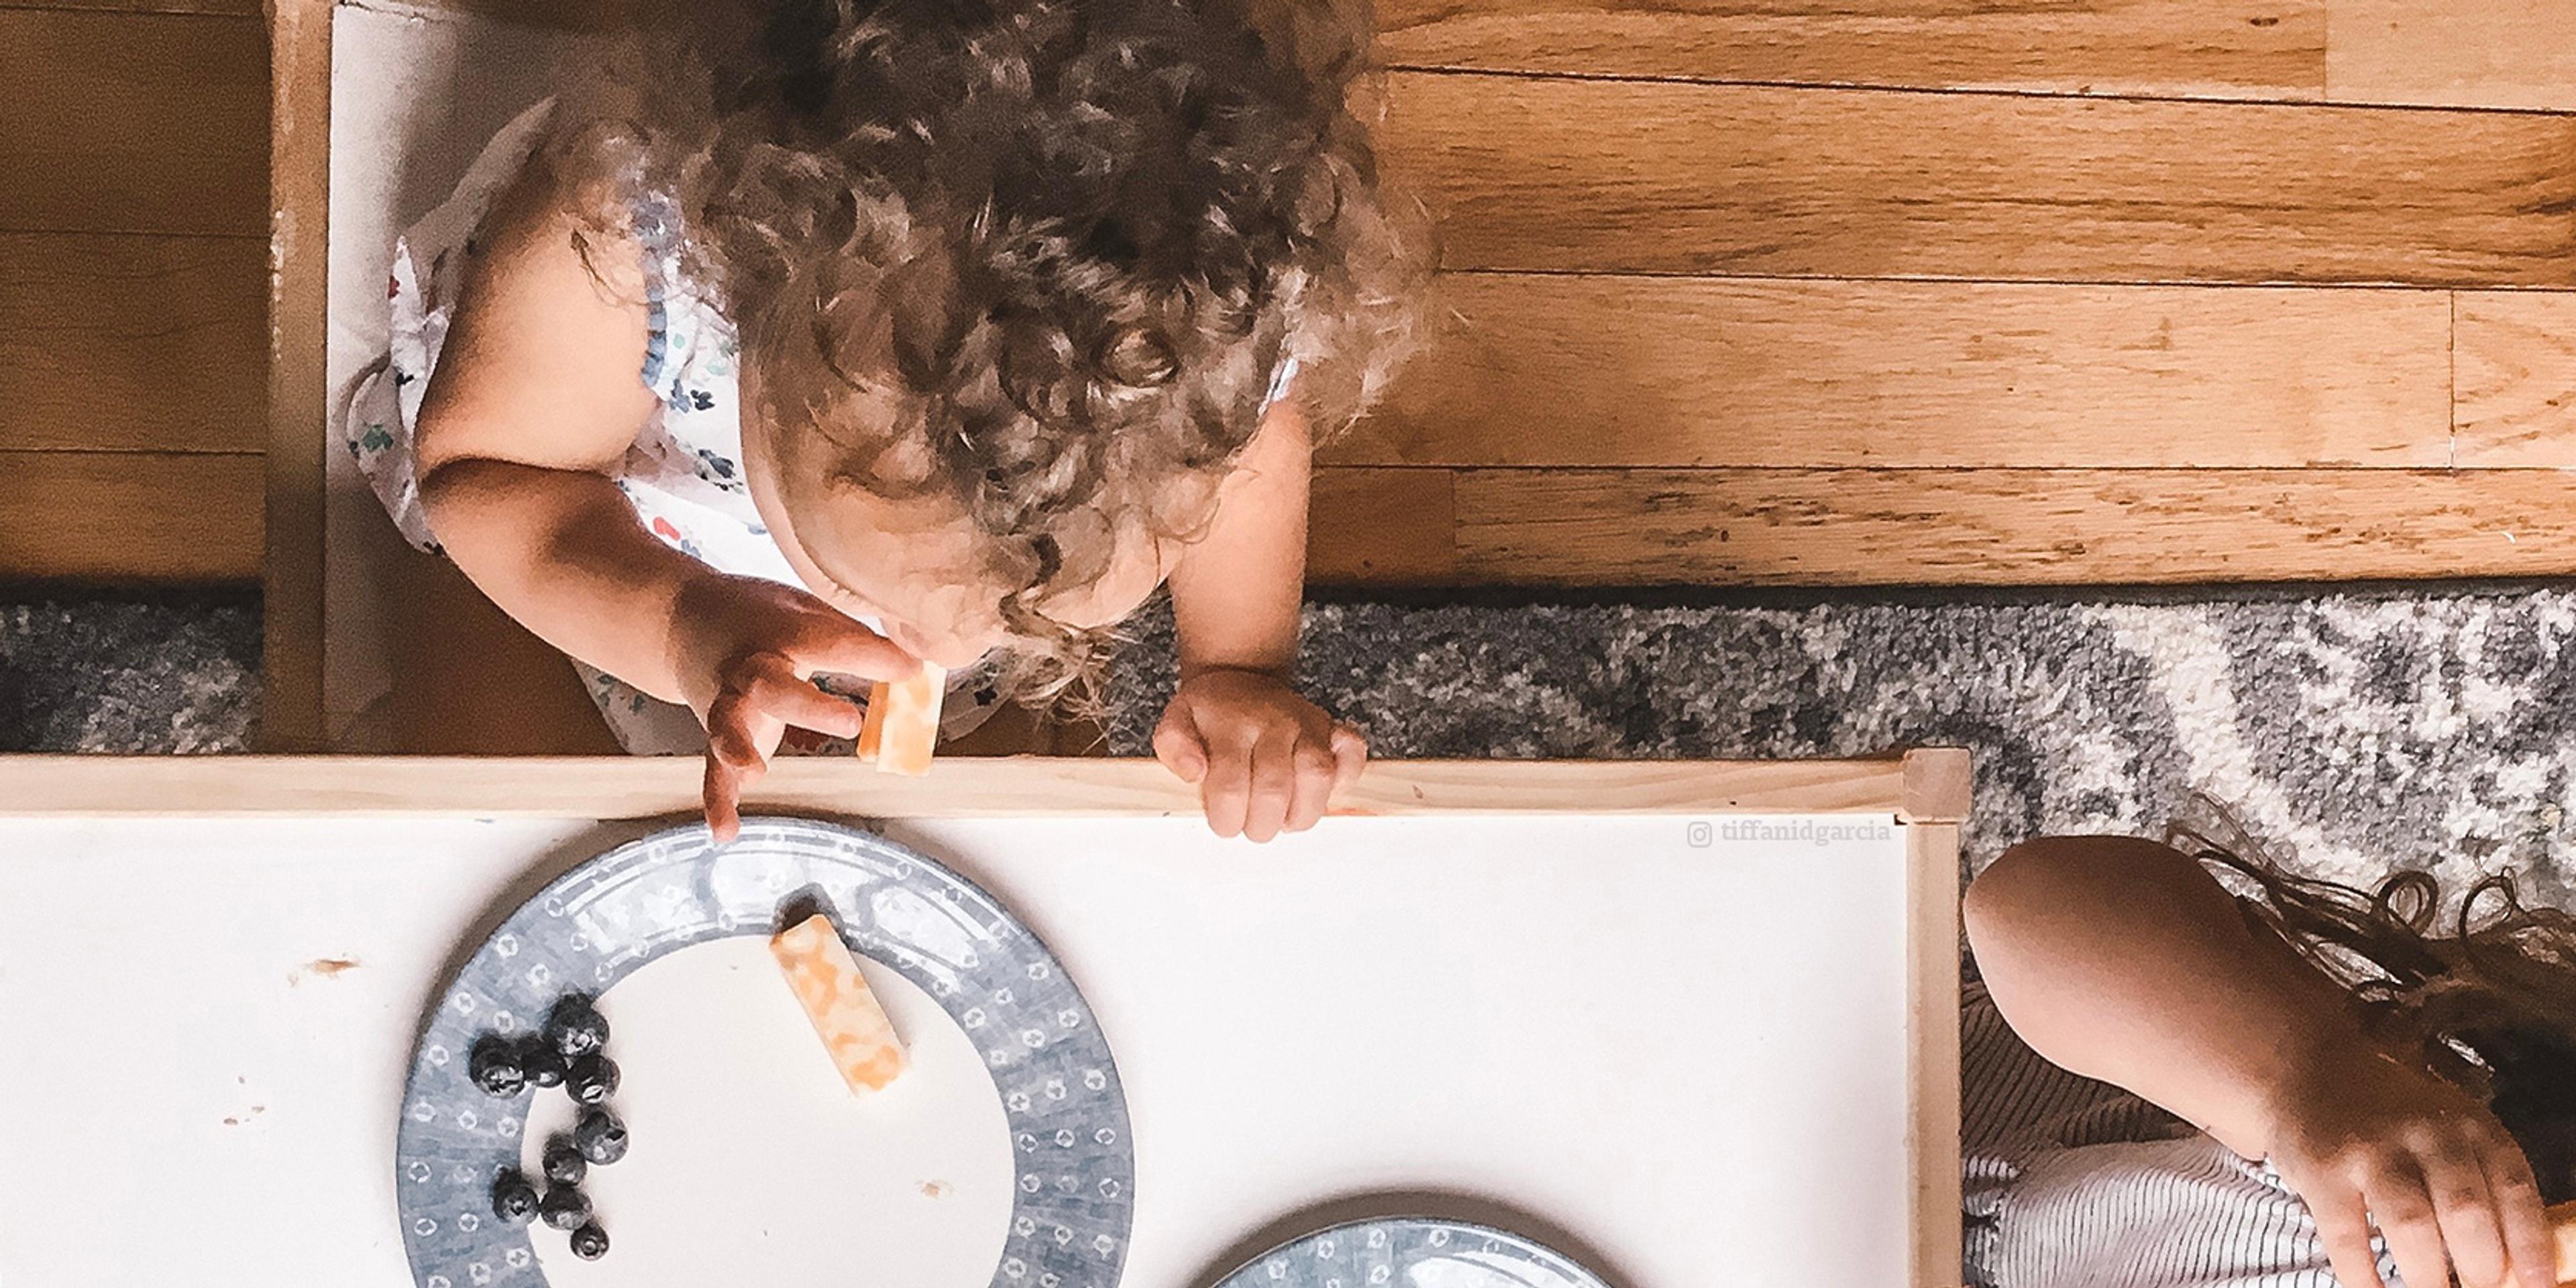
pixel 1265 759
pixel 535 398
pixel 2125 961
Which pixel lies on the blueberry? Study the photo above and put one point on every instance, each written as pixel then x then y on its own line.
pixel 494 1066
pixel 566 1207
pixel 564 1164
pixel 592 1079
pixel 575 1028
pixel 513 1199
pixel 544 1067
pixel 590 1243
pixel 600 1137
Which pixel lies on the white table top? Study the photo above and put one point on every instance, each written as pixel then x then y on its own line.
pixel 1686 1064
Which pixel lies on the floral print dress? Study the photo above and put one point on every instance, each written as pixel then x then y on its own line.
pixel 684 472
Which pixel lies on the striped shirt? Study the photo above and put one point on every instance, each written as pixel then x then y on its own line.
pixel 2072 1183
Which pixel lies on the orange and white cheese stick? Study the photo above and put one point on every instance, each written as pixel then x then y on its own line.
pixel 826 980
pixel 909 729
pixel 872 724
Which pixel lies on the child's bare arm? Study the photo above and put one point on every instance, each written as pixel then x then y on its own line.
pixel 1266 759
pixel 1236 593
pixel 537 396
pixel 2124 960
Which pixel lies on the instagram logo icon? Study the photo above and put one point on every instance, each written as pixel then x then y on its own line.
pixel 1698 836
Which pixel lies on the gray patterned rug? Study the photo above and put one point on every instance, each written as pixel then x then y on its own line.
pixel 2354 730
pixel 140 673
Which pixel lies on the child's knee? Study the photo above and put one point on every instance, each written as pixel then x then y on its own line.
pixel 2045 875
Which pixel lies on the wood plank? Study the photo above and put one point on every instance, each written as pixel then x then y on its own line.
pixel 132 343
pixel 129 517
pixel 1932 1140
pixel 2190 48
pixel 2006 527
pixel 2515 353
pixel 1940 785
pixel 1584 370
pixel 2452 53
pixel 236 8
pixel 1548 175
pixel 129 122
pixel 611 787
pixel 292 717
pixel 1381 528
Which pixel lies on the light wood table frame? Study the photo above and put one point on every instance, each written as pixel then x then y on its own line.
pixel 1925 792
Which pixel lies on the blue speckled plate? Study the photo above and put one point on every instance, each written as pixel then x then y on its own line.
pixel 596 924
pixel 1412 1252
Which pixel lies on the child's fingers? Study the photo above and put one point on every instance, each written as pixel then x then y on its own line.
pixel 2529 1245
pixel 1178 745
pixel 1274 786
pixel 731 737
pixel 1350 756
pixel 2404 1211
pixel 1226 789
pixel 832 642
pixel 2343 1229
pixel 739 740
pixel 723 797
pixel 772 685
pixel 2466 1214
pixel 1316 772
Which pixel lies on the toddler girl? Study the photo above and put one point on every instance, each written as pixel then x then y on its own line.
pixel 808 340
pixel 2245 1084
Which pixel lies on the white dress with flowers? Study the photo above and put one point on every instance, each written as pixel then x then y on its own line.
pixel 683 474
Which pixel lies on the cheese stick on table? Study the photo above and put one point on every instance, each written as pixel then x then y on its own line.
pixel 826 981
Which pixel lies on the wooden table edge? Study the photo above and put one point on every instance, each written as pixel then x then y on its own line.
pixel 613 787
pixel 1932 1138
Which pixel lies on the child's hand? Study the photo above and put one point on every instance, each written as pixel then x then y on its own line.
pixel 746 651
pixel 2367 1138
pixel 1265 759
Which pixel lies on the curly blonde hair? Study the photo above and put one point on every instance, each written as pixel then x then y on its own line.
pixel 1070 242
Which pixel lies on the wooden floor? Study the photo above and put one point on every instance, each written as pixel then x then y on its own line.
pixel 133 288
pixel 1814 291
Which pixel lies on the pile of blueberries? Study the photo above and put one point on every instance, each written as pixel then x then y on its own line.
pixel 571 1052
